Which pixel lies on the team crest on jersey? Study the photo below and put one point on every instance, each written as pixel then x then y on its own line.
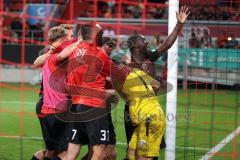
pixel 81 52
pixel 143 144
pixel 144 66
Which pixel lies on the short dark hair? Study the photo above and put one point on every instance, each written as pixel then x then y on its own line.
pixel 76 30
pixel 133 39
pixel 86 31
pixel 109 41
pixel 105 40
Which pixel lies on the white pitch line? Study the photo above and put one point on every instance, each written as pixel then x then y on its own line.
pixel 194 148
pixel 23 137
pixel 118 143
pixel 221 144
pixel 18 102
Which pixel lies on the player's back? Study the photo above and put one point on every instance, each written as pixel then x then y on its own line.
pixel 88 67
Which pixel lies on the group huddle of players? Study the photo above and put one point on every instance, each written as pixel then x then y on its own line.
pixel 79 88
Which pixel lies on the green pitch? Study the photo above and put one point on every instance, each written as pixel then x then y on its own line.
pixel 204 118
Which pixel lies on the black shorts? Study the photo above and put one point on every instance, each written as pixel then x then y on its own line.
pixel 38 111
pixel 54 133
pixel 93 132
pixel 53 130
pixel 129 128
pixel 39 105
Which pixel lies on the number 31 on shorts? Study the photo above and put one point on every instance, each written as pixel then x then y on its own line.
pixel 104 135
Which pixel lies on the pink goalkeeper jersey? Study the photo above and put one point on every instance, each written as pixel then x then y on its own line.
pixel 54 93
pixel 53 100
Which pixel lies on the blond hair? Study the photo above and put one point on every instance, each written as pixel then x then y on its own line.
pixel 56 32
pixel 66 26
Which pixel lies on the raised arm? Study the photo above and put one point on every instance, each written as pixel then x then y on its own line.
pixel 66 52
pixel 181 17
pixel 39 62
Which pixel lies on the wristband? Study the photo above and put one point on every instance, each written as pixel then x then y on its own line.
pixel 180 22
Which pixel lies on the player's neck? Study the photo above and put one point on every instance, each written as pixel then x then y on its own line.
pixel 91 42
pixel 137 57
pixel 88 41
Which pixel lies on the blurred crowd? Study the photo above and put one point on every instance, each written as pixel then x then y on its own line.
pixel 12 30
pixel 157 9
pixel 215 13
pixel 7 3
pixel 220 10
pixel 200 38
pixel 227 41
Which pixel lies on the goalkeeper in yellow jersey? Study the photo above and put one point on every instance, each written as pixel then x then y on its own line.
pixel 146 114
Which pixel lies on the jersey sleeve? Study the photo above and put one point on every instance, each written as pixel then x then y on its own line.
pixel 54 60
pixel 106 64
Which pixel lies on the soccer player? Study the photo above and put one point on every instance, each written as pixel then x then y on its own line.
pixel 56 36
pixel 38 63
pixel 55 102
pixel 87 88
pixel 144 59
pixel 146 114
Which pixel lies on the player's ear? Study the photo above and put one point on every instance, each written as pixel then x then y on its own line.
pixel 99 38
pixel 130 44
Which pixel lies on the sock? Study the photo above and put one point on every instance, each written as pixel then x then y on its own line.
pixel 56 158
pixel 34 158
pixel 45 158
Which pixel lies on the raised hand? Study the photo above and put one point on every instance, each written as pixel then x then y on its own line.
pixel 182 14
pixel 55 45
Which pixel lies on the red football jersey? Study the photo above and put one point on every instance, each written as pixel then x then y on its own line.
pixel 88 67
